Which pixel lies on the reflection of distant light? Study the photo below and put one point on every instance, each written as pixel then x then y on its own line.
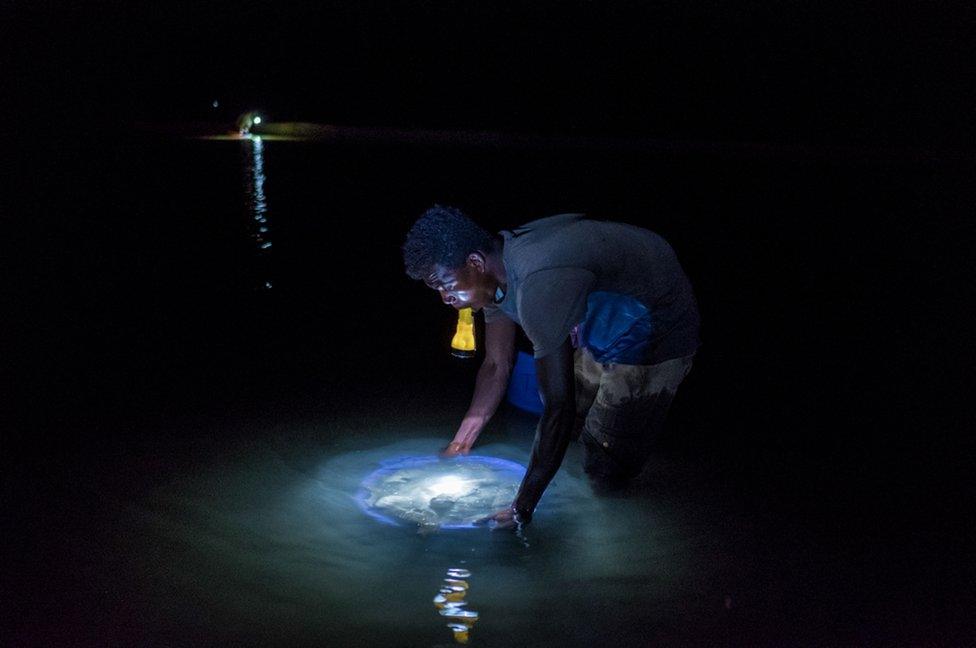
pixel 260 204
pixel 257 120
pixel 257 202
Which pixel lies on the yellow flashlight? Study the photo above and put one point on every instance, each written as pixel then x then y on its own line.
pixel 462 346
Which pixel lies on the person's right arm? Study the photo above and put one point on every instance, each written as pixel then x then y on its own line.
pixel 490 384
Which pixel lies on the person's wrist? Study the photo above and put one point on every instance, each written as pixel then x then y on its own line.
pixel 521 516
pixel 466 439
pixel 472 425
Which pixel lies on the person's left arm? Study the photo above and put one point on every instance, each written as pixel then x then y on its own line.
pixel 557 388
pixel 550 302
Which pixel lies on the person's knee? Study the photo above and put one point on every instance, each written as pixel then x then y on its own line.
pixel 609 474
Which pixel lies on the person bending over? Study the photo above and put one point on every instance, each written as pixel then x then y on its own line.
pixel 613 324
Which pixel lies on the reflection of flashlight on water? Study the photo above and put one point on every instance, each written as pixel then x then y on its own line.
pixel 450 604
pixel 462 346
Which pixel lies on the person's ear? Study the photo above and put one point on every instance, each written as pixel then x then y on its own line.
pixel 477 261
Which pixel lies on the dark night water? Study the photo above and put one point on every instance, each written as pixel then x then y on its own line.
pixel 219 343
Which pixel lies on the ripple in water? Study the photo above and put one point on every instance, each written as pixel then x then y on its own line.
pixel 450 604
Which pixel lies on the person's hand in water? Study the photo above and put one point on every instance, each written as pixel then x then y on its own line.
pixel 454 449
pixel 503 519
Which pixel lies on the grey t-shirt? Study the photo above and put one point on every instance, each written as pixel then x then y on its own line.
pixel 555 265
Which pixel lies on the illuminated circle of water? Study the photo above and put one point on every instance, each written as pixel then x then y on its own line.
pixel 444 493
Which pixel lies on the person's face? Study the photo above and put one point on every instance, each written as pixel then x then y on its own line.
pixel 469 286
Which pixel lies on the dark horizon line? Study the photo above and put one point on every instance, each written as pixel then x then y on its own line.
pixel 311 131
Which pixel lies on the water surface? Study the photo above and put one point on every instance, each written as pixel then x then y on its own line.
pixel 224 344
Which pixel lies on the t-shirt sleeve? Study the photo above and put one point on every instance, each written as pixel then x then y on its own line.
pixel 550 303
pixel 492 313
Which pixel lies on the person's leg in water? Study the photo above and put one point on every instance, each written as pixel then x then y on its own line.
pixel 588 374
pixel 626 417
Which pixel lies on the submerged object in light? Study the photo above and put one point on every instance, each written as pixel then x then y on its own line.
pixel 450 485
pixel 437 493
pixel 462 345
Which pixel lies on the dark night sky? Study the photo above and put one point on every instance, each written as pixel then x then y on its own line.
pixel 783 72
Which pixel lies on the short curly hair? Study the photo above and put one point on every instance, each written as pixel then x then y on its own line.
pixel 442 236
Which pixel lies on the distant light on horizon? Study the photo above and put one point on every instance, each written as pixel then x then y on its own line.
pixel 215 103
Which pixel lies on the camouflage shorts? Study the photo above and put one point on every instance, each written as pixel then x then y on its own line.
pixel 620 412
